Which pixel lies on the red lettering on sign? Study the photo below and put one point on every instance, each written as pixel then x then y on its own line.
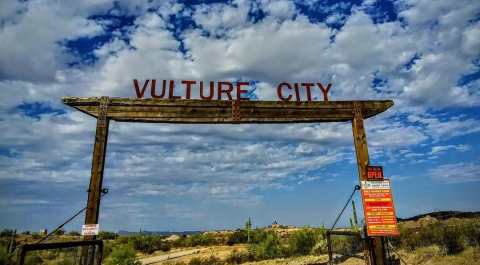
pixel 279 91
pixel 137 88
pixel 324 90
pixel 202 94
pixel 241 91
pixel 297 92
pixel 171 90
pixel 225 90
pixel 228 91
pixel 308 87
pixel 374 173
pixel 188 87
pixel 154 87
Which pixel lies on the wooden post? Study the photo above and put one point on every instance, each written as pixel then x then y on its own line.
pixel 329 247
pixel 375 250
pixel 98 164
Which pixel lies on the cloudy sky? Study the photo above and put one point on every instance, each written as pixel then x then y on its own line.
pixel 425 55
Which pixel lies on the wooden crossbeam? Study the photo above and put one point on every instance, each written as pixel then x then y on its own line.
pixel 220 111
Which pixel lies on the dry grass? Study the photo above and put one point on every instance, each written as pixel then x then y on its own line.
pixel 434 255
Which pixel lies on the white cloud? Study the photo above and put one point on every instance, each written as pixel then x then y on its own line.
pixel 446 128
pixel 456 173
pixel 30 46
pixel 443 148
pixel 279 9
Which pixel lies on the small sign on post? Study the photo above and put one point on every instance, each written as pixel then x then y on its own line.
pixel 378 208
pixel 374 173
pixel 90 230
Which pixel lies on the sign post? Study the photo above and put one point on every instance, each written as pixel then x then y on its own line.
pixel 374 249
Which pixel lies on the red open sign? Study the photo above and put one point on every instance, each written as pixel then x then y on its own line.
pixel 374 173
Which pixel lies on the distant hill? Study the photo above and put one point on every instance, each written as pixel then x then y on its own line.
pixel 442 215
pixel 157 233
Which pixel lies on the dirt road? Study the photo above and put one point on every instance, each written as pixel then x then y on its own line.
pixel 171 255
pixel 186 254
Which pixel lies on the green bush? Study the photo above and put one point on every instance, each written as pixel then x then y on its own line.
pixel 33 259
pixel 6 232
pixel 149 244
pixel 239 257
pixel 75 233
pixel 212 260
pixel 269 248
pixel 4 257
pixel 198 240
pixel 452 240
pixel 237 237
pixel 302 242
pixel 105 235
pixel 122 255
pixel 453 235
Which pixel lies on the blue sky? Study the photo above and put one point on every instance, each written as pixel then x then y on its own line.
pixel 425 55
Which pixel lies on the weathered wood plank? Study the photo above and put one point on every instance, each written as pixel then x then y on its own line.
pixel 218 111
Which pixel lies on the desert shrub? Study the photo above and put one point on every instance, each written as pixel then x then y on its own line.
pixel 269 248
pixel 6 232
pixel 149 244
pixel 472 234
pixel 452 240
pixel 4 260
pixel 239 257
pixel 452 236
pixel 105 235
pixel 122 255
pixel 303 241
pixel 107 248
pixel 59 232
pixel 346 244
pixel 237 237
pixel 198 240
pixel 144 244
pixel 33 259
pixel 122 239
pixel 212 260
pixel 74 233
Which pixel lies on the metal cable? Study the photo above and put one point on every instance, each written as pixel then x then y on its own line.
pixel 60 226
pixel 344 207
pixel 103 192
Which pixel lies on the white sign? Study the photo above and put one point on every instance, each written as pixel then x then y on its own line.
pixel 375 185
pixel 90 230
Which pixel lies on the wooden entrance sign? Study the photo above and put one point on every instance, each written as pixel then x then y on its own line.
pixel 224 112
pixel 221 111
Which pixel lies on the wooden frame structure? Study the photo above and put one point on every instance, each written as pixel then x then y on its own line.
pixel 105 109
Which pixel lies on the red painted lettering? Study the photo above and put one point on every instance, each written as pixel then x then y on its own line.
pixel 188 87
pixel 137 87
pixel 297 91
pixel 228 91
pixel 210 96
pixel 241 91
pixel 171 90
pixel 308 87
pixel 280 94
pixel 154 87
pixel 325 90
